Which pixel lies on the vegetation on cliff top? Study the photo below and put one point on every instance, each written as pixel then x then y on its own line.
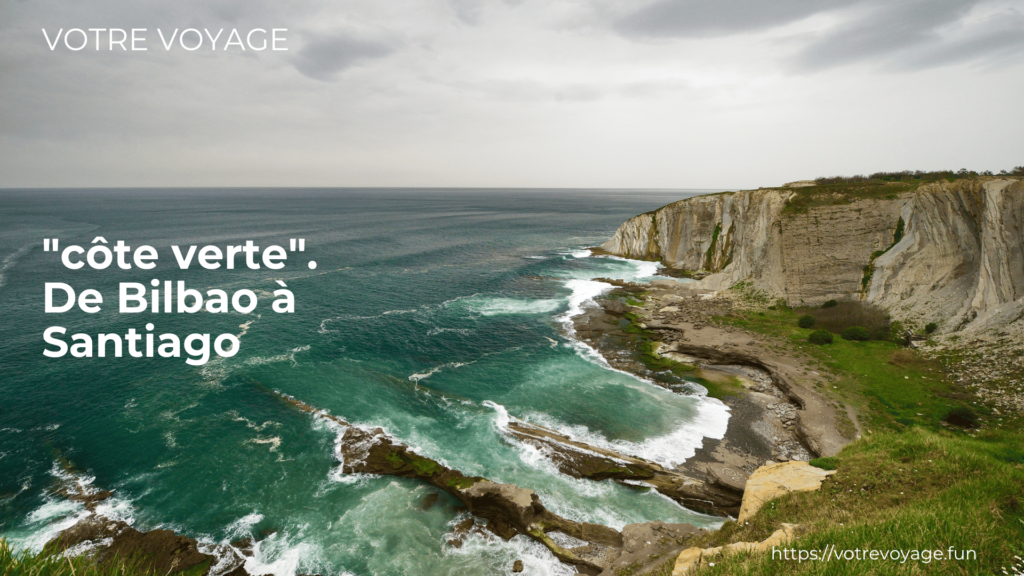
pixel 923 476
pixel 838 190
pixel 916 490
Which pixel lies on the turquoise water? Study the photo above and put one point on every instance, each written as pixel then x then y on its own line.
pixel 425 315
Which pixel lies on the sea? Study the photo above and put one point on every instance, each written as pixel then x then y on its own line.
pixel 435 314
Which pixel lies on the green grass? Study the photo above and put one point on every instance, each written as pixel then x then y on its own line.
pixel 909 483
pixel 912 490
pixel 27 564
pixel 845 193
pixel 891 387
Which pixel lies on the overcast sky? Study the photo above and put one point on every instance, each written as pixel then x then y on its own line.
pixel 513 93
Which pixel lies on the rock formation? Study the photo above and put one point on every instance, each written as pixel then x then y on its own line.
pixel 691 559
pixel 508 509
pixel 775 480
pixel 949 253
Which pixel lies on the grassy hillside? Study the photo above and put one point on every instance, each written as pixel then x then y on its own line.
pixel 912 482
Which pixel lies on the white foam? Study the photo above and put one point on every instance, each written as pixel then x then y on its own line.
pixel 242 527
pixel 537 559
pixel 44 523
pixel 10 260
pixel 502 418
pixel 437 330
pixel 286 357
pixel 583 292
pixel 274 441
pixel 669 450
pixel 424 375
pixel 500 306
pixel 270 557
pixel 87 547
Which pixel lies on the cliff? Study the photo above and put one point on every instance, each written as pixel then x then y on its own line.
pixel 945 252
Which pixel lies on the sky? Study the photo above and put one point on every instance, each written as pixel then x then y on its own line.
pixel 511 93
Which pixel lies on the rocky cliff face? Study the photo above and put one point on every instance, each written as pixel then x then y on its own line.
pixel 950 253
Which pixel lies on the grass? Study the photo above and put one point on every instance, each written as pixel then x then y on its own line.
pixel 912 490
pixel 890 386
pixel 27 564
pixel 840 193
pixel 911 482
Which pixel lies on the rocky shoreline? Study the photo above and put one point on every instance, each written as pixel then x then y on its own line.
pixel 661 332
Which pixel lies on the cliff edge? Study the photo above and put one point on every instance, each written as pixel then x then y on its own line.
pixel 951 253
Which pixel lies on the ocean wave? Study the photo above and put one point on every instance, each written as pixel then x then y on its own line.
pixel 274 441
pixel 57 514
pixel 277 556
pixel 242 527
pixel 500 555
pixel 583 292
pixel 286 357
pixel 437 330
pixel 500 306
pixel 236 417
pixel 10 260
pixel 325 330
pixel 424 375
pixel 668 450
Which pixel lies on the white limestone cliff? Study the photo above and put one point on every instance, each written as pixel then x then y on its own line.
pixel 950 253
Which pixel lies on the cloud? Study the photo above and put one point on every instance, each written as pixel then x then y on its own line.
pixel 902 31
pixel 322 57
pixel 905 35
pixel 695 18
pixel 1001 37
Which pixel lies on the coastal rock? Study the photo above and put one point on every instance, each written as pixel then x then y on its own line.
pixel 648 544
pixel 508 509
pixel 687 486
pixel 159 551
pixel 614 306
pixel 728 476
pixel 775 480
pixel 693 558
pixel 949 252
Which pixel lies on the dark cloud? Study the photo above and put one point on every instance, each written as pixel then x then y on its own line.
pixel 905 35
pixel 999 37
pixel 891 31
pixel 323 56
pixel 696 18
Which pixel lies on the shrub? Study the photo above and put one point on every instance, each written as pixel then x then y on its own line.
pixel 820 337
pixel 830 304
pixel 858 333
pixel 844 315
pixel 931 327
pixel 962 417
pixel 805 321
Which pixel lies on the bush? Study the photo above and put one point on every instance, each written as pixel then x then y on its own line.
pixel 845 315
pixel 830 304
pixel 962 417
pixel 858 333
pixel 930 327
pixel 805 321
pixel 820 337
